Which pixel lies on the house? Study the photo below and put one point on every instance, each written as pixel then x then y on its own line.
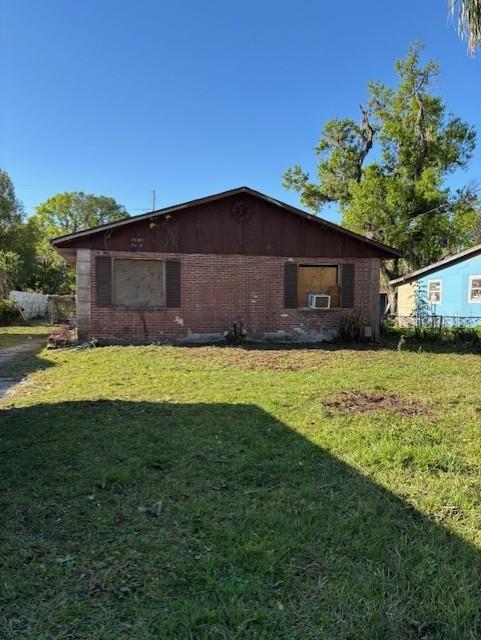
pixel 450 288
pixel 190 271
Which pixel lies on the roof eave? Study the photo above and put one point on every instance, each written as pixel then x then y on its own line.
pixel 408 277
pixel 146 216
pixel 389 252
pixel 68 254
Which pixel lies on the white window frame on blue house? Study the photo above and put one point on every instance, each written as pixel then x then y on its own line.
pixel 471 288
pixel 440 283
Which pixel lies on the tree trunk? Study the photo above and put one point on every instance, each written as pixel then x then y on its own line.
pixel 391 299
pixel 389 271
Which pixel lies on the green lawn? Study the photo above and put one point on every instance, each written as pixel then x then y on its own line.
pixel 10 336
pixel 222 494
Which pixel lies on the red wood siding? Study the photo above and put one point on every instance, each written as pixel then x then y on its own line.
pixel 211 228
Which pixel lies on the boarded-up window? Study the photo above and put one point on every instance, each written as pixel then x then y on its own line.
pixel 138 283
pixel 317 279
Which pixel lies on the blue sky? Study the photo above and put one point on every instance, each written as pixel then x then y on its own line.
pixel 189 98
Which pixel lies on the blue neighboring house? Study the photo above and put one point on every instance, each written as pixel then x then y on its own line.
pixel 450 287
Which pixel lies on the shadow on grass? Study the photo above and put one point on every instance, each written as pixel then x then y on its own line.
pixel 18 363
pixel 255 533
pixel 9 339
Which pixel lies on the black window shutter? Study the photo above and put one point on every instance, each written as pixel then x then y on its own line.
pixel 290 285
pixel 347 285
pixel 103 283
pixel 172 283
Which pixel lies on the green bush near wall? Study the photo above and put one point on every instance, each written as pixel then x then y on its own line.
pixel 350 329
pixel 9 313
pixel 442 335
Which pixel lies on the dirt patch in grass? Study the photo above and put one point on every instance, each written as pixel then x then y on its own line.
pixel 266 360
pixel 362 402
pixel 263 359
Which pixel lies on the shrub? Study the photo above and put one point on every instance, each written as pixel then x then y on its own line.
pixel 390 328
pixel 350 328
pixel 439 334
pixel 430 334
pixel 469 335
pixel 449 335
pixel 237 334
pixel 9 312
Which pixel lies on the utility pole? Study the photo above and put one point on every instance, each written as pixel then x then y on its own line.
pixel 153 200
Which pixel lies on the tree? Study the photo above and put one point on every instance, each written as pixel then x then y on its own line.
pixel 10 266
pixel 469 20
pixel 59 215
pixel 52 276
pixel 11 210
pixel 400 197
pixel 74 210
pixel 17 242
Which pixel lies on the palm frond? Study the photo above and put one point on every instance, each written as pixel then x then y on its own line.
pixel 469 20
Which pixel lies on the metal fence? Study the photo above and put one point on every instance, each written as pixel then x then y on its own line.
pixel 436 322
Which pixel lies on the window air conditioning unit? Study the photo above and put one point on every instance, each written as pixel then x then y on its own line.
pixel 319 301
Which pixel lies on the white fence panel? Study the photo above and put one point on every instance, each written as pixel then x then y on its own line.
pixel 33 305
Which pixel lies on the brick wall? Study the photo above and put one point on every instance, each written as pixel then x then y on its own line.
pixel 220 289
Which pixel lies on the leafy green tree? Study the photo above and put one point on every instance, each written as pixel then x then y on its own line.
pixel 10 267
pixel 388 172
pixel 53 276
pixel 25 243
pixel 59 215
pixel 469 20
pixel 11 210
pixel 17 237
pixel 74 211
